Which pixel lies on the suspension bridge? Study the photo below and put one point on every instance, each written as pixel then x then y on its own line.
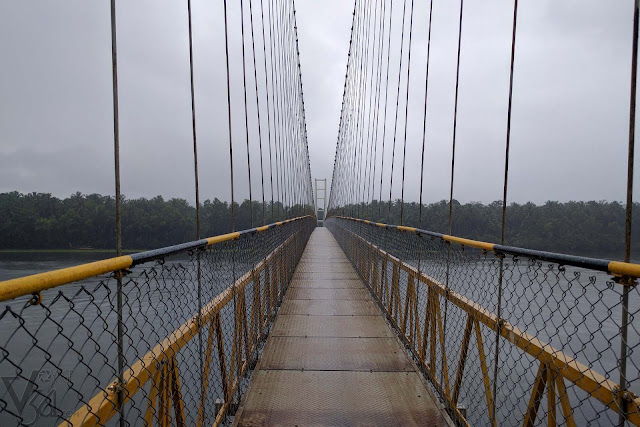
pixel 322 312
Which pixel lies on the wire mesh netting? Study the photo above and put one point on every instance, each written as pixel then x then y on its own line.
pixel 192 321
pixel 557 327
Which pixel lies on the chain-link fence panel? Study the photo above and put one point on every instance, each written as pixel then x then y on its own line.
pixel 506 336
pixel 163 337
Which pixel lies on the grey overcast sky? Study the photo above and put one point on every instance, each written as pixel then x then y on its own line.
pixel 570 114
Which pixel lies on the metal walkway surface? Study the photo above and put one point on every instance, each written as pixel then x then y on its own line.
pixel 331 358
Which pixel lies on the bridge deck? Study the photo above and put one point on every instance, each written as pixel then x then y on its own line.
pixel 331 357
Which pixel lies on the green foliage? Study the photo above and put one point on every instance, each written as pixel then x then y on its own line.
pixel 41 221
pixel 580 228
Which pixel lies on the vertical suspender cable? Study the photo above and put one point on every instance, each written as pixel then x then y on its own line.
pixel 197 190
pixel 233 216
pixel 266 88
pixel 361 91
pixel 292 175
pixel 286 141
pixel 374 138
pixel 283 113
pixel 246 114
pixel 305 164
pixel 395 124
pixel 373 91
pixel 384 119
pixel 424 118
pixel 116 156
pixel 286 111
pixel 116 129
pixel 300 125
pixel 455 120
pixel 352 89
pixel 352 100
pixel 273 104
pixel 339 179
pixel 289 92
pixel 193 122
pixel 453 157
pixel 362 108
pixel 504 206
pixel 226 46
pixel 406 114
pixel 255 80
pixel 373 94
pixel 335 197
pixel 276 115
pixel 424 139
pixel 624 345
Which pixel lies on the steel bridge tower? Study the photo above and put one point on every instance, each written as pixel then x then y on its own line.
pixel 321 196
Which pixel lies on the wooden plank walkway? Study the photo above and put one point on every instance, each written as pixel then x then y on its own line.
pixel 331 358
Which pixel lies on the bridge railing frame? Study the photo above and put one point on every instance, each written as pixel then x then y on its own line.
pixel 254 297
pixel 381 271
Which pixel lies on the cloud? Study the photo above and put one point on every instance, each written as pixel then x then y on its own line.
pixel 570 112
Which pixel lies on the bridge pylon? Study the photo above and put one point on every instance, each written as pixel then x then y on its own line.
pixel 320 199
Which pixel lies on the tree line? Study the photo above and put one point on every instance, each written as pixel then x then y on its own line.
pixel 42 221
pixel 594 228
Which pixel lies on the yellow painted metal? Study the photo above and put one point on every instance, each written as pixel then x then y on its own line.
pixel 27 285
pixel 256 310
pixel 164 412
pixel 590 381
pixel 103 406
pixel 564 402
pixel 551 398
pixel 536 396
pixel 410 312
pixel 207 367
pixel 485 373
pixel 445 369
pixel 14 288
pixel 468 242
pixel 432 322
pixel 375 283
pixel 617 268
pixel 221 358
pixel 463 359
pixel 222 238
pixel 151 399
pixel 263 228
pixel 624 269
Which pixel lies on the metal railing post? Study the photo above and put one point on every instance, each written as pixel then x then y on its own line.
pixel 624 352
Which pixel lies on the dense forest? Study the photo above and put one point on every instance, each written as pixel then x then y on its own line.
pixel 594 228
pixel 41 221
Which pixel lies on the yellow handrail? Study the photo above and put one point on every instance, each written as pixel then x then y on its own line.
pixel 616 268
pixel 32 284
